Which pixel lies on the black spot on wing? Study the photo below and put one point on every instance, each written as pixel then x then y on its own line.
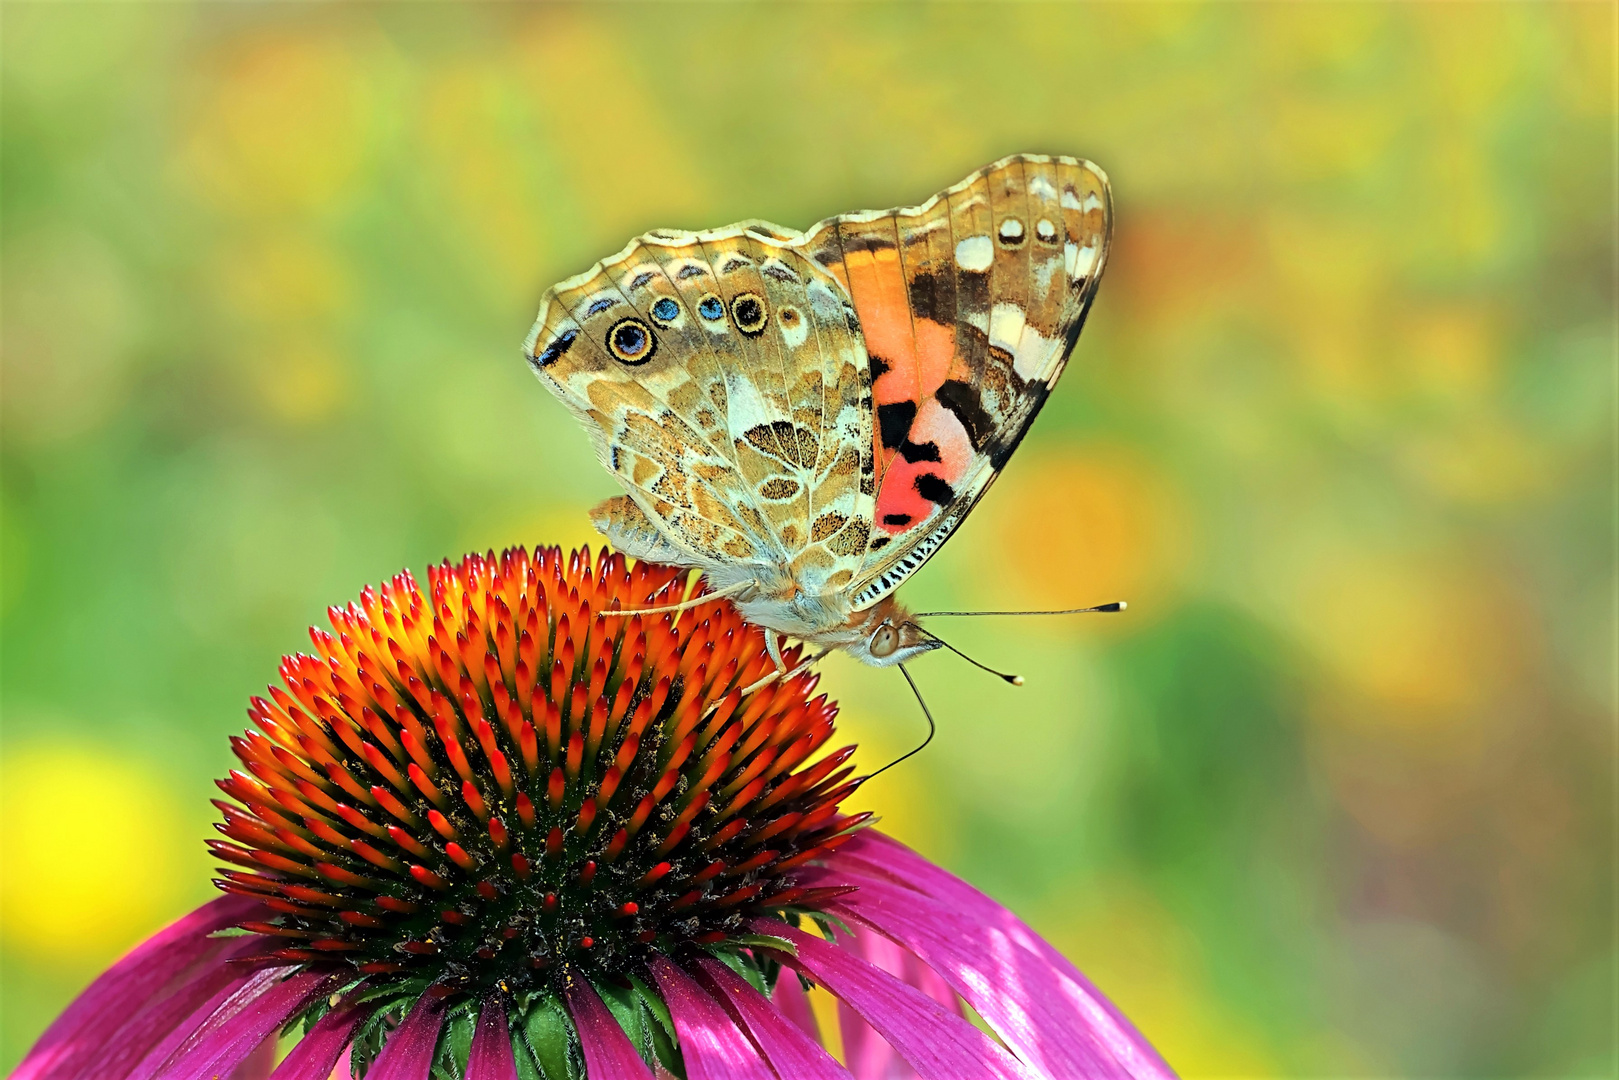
pixel 598 306
pixel 879 366
pixel 914 452
pixel 963 401
pixel 776 270
pixel 894 420
pixel 896 519
pixel 640 280
pixel 923 306
pixel 553 352
pixel 933 489
pixel 690 270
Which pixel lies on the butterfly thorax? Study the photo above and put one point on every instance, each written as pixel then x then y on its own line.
pixel 881 635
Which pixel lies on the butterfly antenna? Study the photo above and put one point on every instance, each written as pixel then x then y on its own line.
pixel 924 743
pixel 1117 605
pixel 1015 680
pixel 695 601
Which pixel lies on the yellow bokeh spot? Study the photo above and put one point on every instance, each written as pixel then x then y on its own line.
pixel 283 277
pixel 90 851
pixel 1152 968
pixel 283 125
pixel 566 526
pixel 300 380
pixel 1428 638
pixel 904 799
pixel 1085 526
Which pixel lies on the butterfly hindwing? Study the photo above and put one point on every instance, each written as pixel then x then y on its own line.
pixel 720 375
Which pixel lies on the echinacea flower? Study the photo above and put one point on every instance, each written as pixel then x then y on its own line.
pixel 494 831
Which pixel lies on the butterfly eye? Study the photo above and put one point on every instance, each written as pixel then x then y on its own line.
pixel 710 308
pixel 748 311
pixel 884 641
pixel 631 341
pixel 665 311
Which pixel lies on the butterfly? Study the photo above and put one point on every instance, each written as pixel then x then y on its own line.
pixel 807 417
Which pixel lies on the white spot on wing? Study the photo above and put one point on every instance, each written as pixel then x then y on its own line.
pixel 1079 261
pixel 1041 187
pixel 1006 326
pixel 975 253
pixel 1033 356
pixel 795 334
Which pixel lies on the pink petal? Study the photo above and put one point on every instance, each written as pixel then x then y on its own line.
pixel 491 1057
pixel 790 1000
pixel 266 1001
pixel 787 1049
pixel 141 974
pixel 316 1054
pixel 408 1053
pixel 933 1041
pixel 1029 994
pixel 163 1044
pixel 710 1043
pixel 868 1054
pixel 609 1054
pixel 259 1064
pixel 162 1024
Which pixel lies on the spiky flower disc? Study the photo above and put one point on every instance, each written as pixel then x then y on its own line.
pixel 493 782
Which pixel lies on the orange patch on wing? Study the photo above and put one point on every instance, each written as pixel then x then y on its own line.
pixel 877 286
pixel 935 354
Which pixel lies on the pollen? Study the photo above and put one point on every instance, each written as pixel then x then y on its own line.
pixel 486 780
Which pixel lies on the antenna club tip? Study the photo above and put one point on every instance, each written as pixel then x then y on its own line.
pixel 1123 605
pixel 1016 680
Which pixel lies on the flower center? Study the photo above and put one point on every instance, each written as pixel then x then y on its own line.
pixel 492 782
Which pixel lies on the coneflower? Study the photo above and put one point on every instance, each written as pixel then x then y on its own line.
pixel 492 830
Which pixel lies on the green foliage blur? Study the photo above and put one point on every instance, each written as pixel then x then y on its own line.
pixel 1331 799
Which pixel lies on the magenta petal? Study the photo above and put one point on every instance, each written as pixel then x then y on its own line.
pixel 710 1043
pixel 609 1054
pixel 258 1064
pixel 117 1046
pixel 266 1001
pixel 1031 995
pixel 316 1054
pixel 790 1000
pixel 408 1053
pixel 789 1051
pixel 936 1043
pixel 142 973
pixel 491 1057
pixel 867 1053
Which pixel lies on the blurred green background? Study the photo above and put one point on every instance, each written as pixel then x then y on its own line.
pixel 1334 798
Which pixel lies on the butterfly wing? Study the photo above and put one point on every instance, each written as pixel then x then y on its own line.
pixel 971 304
pixel 723 380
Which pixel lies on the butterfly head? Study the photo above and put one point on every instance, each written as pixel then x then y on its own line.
pixel 888 635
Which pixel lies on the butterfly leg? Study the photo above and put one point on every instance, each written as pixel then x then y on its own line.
pixel 782 671
pixel 773 647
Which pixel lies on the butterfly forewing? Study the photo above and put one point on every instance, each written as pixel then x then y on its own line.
pixel 1017 312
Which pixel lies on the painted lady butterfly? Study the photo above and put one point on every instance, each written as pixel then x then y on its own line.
pixel 807 417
